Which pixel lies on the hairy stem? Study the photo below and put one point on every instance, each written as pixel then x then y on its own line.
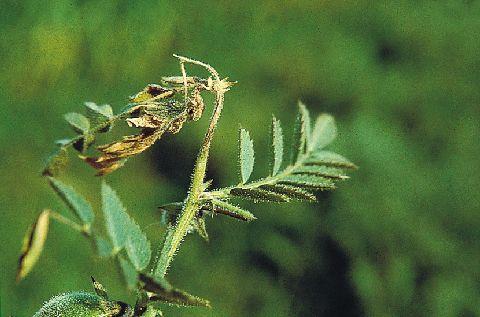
pixel 191 205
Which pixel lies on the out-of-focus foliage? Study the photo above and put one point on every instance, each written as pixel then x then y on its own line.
pixel 401 238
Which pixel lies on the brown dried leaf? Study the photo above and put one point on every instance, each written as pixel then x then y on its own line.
pixel 33 243
pixel 152 91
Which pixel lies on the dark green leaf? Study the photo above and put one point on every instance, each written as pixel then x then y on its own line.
pixel 308 181
pixel 77 203
pixel 256 194
pixel 277 146
pixel 246 155
pixel 301 133
pixel 163 291
pixel 225 208
pixel 290 191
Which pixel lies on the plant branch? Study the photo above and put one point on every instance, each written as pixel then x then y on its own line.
pixel 191 205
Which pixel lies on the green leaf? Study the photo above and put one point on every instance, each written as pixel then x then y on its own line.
pixel 198 224
pixel 99 114
pixel 277 146
pixel 163 291
pixel 138 247
pixel 78 122
pixel 328 158
pixel 308 181
pixel 103 246
pixel 56 163
pixel 256 195
pixel 33 244
pixel 116 217
pixel 129 273
pixel 246 155
pixel 301 133
pixel 324 132
pixel 164 260
pixel 77 203
pixel 290 191
pixel 123 230
pixel 321 170
pixel 225 208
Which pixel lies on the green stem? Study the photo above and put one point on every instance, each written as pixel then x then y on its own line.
pixel 72 224
pixel 191 205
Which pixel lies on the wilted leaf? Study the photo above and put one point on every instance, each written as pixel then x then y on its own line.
pixel 246 155
pixel 33 244
pixel 56 162
pixel 79 205
pixel 163 291
pixel 114 153
pixel 152 91
pixel 99 289
pixel 277 146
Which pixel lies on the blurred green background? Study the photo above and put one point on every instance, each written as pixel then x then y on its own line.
pixel 400 238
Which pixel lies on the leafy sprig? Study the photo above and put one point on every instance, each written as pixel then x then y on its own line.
pixel 156 110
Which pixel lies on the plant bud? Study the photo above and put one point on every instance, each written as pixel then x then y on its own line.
pixel 83 304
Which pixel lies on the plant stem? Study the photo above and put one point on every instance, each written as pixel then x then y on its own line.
pixel 72 224
pixel 191 205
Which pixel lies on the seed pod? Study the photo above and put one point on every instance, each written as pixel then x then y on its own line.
pixel 83 304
